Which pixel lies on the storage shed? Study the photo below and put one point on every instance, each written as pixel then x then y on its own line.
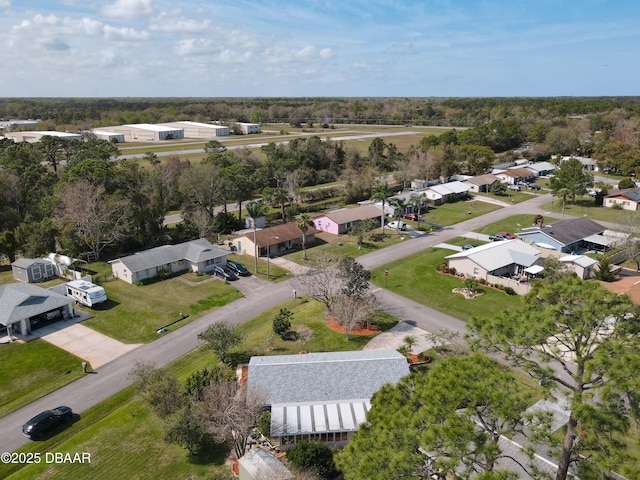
pixel 33 270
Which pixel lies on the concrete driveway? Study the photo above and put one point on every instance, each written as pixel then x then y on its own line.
pixel 93 347
pixel 394 338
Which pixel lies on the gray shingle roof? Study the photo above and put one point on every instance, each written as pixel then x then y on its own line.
pixel 632 194
pixel 572 230
pixel 23 300
pixel 27 262
pixel 347 215
pixel 322 377
pixel 494 255
pixel 195 251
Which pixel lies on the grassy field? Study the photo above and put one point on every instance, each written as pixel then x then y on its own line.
pixel 126 440
pixel 585 206
pixel 510 224
pixel 30 370
pixel 416 277
pixel 452 213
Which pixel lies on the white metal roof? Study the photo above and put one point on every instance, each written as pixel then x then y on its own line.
pixel 321 417
pixel 151 127
pixel 580 260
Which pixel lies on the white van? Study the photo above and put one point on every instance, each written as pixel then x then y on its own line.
pixel 85 293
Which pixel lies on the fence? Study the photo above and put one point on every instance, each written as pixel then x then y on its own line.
pixel 519 286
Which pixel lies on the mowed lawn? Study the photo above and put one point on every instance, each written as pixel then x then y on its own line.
pixel 133 314
pixel 415 277
pixel 30 370
pixel 126 439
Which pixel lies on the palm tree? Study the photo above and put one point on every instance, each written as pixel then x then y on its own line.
pixel 303 222
pixel 563 193
pixel 415 200
pixel 381 192
pixel 255 210
pixel 400 204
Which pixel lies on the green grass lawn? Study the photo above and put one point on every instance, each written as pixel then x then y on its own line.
pixel 30 370
pixel 585 206
pixel 416 277
pixel 452 213
pixel 510 224
pixel 133 314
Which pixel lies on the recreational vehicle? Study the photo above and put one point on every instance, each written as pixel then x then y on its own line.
pixel 85 293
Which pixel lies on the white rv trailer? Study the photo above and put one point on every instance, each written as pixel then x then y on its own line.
pixel 85 293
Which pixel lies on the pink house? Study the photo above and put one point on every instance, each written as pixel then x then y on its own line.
pixel 343 220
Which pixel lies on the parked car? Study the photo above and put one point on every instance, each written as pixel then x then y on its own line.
pixel 507 235
pixel 397 225
pixel 468 246
pixel 410 216
pixel 238 268
pixel 534 186
pixel 497 237
pixel 47 421
pixel 224 273
pixel 515 188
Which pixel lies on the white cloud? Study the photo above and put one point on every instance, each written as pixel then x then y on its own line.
pixel 287 55
pixel 123 34
pixel 5 3
pixel 195 46
pixel 127 9
pixel 173 22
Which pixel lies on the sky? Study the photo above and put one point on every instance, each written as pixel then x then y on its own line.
pixel 319 48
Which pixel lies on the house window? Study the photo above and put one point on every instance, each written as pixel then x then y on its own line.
pixel 476 271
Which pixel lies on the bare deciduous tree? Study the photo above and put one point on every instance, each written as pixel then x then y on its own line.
pixel 97 218
pixel 229 411
pixel 201 220
pixel 348 311
pixel 321 283
pixel 157 388
pixel 303 335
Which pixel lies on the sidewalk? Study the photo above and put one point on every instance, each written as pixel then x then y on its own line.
pixel 293 267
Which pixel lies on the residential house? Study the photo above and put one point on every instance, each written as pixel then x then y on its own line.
pixel 506 258
pixel 197 256
pixel 261 464
pixel 481 183
pixel 541 169
pixel 322 396
pixel 627 199
pixel 588 164
pixel 446 192
pixel 26 307
pixel 273 240
pixel 575 235
pixel 582 265
pixel 515 175
pixel 343 220
pixel 33 270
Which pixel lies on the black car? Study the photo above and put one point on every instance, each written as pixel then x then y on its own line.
pixel 534 186
pixel 47 421
pixel 238 268
pixel 468 246
pixel 224 272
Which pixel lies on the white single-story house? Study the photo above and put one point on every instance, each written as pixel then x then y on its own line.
pixel 343 220
pixel 197 255
pixel 581 264
pixel 322 396
pixel 589 164
pixel 33 270
pixel 500 259
pixel 627 199
pixel 481 183
pixel 273 240
pixel 26 307
pixel 572 236
pixel 261 464
pixel 445 192
pixel 515 175
pixel 541 169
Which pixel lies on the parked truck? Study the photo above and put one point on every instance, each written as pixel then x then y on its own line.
pixel 85 293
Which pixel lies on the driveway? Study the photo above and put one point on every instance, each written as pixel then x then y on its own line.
pixel 94 347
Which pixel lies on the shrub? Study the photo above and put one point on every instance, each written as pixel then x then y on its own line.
pixel 282 322
pixel 264 423
pixel 509 291
pixel 314 456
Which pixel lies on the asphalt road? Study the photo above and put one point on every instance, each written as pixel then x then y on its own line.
pixel 259 296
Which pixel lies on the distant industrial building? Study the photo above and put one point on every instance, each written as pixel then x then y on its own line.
pixel 33 137
pixel 144 132
pixel 199 130
pixel 113 137
pixel 18 124
pixel 247 128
